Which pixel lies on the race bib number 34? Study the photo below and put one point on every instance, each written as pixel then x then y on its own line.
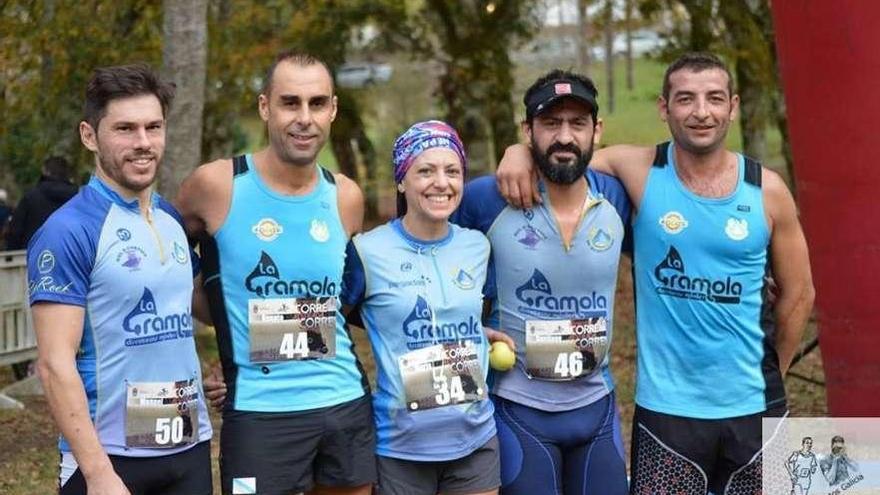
pixel 442 375
pixel 292 329
pixel 161 414
pixel 565 349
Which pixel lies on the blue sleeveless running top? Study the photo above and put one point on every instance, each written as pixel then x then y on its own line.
pixel 275 246
pixel 401 281
pixel 699 270
pixel 133 276
pixel 534 277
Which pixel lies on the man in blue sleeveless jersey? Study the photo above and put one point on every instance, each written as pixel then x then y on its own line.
pixel 111 288
pixel 554 273
pixel 273 227
pixel 708 224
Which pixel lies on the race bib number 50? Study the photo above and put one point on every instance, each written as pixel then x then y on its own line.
pixel 565 349
pixel 161 414
pixel 442 375
pixel 292 329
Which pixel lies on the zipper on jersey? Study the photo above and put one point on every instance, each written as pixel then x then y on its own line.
pixel 148 215
pixel 589 203
pixel 439 275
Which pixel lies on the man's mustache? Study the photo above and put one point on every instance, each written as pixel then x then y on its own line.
pixel 565 148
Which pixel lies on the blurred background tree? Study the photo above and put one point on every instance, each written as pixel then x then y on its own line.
pixel 466 61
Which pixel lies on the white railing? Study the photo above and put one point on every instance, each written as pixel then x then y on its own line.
pixel 17 340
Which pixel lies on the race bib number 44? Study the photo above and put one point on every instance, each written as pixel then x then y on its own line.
pixel 565 349
pixel 442 375
pixel 292 329
pixel 161 414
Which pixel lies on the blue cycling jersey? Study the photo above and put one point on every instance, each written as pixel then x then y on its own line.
pixel 535 279
pixel 417 295
pixel 133 275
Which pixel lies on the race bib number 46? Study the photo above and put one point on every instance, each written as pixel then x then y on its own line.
pixel 161 414
pixel 565 349
pixel 442 375
pixel 292 329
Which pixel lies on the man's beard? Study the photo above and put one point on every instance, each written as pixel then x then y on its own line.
pixel 562 173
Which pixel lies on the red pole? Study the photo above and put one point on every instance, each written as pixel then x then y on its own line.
pixel 829 58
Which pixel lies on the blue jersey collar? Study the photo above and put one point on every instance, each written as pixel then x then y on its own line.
pixel 415 242
pixel 108 192
pixel 593 192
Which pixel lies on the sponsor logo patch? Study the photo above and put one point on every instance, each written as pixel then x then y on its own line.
pixel 179 252
pixel 319 230
pixel 463 280
pixel 421 331
pixel 244 486
pixel 529 236
pixel 131 257
pixel 599 239
pixel 537 299
pixel 151 326
pixel 673 222
pixel 674 281
pixel 46 261
pixel 267 229
pixel 737 229
pixel 265 281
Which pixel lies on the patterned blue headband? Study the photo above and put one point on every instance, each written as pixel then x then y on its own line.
pixel 423 136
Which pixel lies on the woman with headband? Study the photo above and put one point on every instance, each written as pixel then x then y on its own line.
pixel 418 280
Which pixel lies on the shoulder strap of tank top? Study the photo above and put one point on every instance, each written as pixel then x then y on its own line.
pixel 753 172
pixel 328 175
pixel 661 156
pixel 239 165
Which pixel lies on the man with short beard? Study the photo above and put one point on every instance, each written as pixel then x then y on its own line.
pixel 552 280
pixel 111 284
pixel 837 467
pixel 273 227
pixel 707 224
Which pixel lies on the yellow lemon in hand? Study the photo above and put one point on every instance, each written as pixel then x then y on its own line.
pixel 501 356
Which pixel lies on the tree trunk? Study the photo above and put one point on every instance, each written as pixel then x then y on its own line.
pixel 628 25
pixel 371 185
pixel 700 13
pixel 609 54
pixel 753 112
pixel 184 53
pixel 754 74
pixel 499 107
pixel 583 36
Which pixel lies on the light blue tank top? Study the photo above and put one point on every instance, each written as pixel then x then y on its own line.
pixel 274 246
pixel 401 281
pixel 134 279
pixel 699 270
pixel 536 278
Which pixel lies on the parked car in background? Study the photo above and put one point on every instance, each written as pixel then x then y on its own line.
pixel 360 74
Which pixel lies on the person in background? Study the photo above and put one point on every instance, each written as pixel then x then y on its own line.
pixel 54 188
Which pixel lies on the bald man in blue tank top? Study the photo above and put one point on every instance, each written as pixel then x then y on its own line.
pixel 273 227
pixel 708 223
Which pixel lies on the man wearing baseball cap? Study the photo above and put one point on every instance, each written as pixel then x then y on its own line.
pixel 551 287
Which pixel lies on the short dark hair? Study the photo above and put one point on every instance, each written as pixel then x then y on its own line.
pixel 837 438
pixel 562 74
pixel 696 62
pixel 295 57
pixel 57 167
pixel 123 81
pixel 805 440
